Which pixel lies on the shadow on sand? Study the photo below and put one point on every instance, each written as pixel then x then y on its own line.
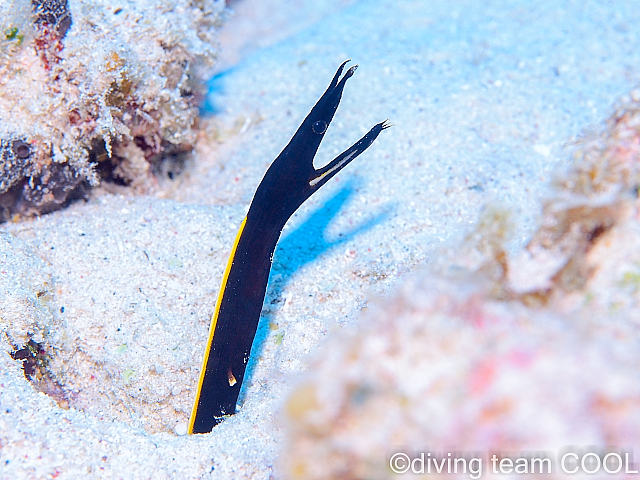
pixel 301 246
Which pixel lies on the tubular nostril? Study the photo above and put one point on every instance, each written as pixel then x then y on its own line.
pixel 319 127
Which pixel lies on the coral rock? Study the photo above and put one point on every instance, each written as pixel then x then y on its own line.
pixel 79 79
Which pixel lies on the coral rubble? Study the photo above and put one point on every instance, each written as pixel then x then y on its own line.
pixel 96 89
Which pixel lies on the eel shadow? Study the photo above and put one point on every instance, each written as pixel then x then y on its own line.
pixel 212 101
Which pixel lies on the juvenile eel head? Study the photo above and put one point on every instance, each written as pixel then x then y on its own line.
pixel 312 130
pixel 292 178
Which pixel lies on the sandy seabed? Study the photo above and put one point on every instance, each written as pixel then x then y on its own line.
pixel 484 97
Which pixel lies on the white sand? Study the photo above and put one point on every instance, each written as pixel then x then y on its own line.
pixel 483 96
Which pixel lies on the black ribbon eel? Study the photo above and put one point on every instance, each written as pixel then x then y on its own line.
pixel 289 181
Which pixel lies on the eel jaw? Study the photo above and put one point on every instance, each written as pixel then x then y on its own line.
pixel 322 175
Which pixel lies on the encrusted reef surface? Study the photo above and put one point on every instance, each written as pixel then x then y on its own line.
pixel 95 90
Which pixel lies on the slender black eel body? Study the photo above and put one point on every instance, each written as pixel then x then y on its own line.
pixel 289 181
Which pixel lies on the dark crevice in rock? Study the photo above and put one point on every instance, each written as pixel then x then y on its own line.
pixel 54 13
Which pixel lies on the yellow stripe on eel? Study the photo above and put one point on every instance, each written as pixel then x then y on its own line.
pixel 212 328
